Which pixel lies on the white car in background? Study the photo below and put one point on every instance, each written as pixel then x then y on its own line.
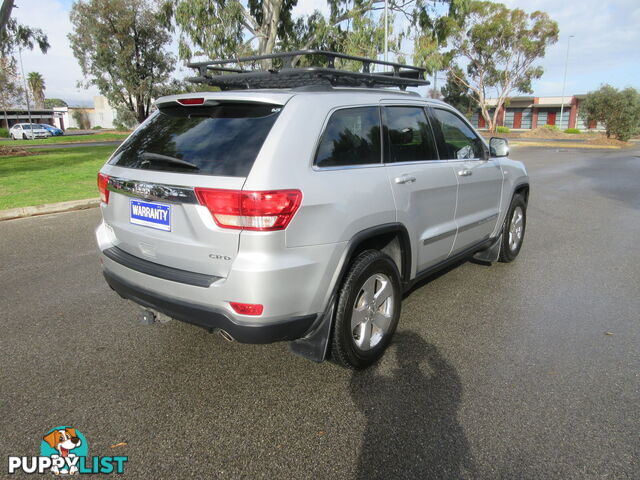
pixel 28 131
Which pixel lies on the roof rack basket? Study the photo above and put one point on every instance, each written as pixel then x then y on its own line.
pixel 218 72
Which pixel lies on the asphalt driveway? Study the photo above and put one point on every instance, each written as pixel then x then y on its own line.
pixel 523 371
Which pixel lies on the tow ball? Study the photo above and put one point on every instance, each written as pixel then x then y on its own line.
pixel 149 317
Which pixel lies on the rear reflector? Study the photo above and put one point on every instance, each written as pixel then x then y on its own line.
pixel 103 181
pixel 248 210
pixel 246 308
pixel 190 101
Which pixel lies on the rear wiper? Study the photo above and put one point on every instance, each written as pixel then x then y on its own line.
pixel 149 157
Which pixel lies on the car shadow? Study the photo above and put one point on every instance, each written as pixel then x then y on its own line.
pixel 412 428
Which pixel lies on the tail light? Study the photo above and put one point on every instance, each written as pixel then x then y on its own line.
pixel 103 181
pixel 248 210
pixel 246 308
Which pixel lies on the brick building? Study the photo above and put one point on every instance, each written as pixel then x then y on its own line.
pixel 523 113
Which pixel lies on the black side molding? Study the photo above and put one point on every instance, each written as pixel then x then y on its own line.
pixel 161 271
pixel 464 254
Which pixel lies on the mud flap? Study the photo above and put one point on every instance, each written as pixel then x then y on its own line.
pixel 490 254
pixel 315 345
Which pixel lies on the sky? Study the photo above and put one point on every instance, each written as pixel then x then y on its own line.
pixel 605 47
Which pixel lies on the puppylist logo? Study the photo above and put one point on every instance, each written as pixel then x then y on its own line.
pixel 65 451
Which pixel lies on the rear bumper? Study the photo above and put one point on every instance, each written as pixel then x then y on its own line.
pixel 289 329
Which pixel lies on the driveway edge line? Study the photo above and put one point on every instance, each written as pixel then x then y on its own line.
pixel 48 208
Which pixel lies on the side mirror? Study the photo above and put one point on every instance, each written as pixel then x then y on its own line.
pixel 499 147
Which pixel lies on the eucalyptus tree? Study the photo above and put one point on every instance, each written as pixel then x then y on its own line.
pixel 230 28
pixel 499 48
pixel 121 46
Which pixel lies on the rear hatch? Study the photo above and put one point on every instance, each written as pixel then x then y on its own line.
pixel 153 177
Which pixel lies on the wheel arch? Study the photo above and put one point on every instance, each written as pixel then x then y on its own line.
pixel 391 238
pixel 522 189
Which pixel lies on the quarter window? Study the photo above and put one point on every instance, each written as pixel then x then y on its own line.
pixel 352 137
pixel 460 141
pixel 409 136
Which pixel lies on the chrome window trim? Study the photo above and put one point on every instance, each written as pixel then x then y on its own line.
pixel 417 162
pixel 347 167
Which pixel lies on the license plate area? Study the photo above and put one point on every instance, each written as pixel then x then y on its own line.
pixel 150 214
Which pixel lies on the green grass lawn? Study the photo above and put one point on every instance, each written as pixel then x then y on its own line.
pixel 54 176
pixel 96 137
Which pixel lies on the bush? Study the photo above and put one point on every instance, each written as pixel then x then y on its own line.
pixel 617 110
pixel 97 127
pixel 82 119
pixel 4 133
pixel 502 129
pixel 72 128
pixel 572 130
pixel 553 128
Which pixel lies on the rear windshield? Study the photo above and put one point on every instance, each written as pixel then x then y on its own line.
pixel 215 140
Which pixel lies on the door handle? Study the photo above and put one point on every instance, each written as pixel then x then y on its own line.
pixel 465 173
pixel 404 179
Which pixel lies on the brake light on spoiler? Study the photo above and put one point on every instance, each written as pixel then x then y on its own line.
pixel 250 210
pixel 190 101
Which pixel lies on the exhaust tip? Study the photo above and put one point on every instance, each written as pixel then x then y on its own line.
pixel 226 336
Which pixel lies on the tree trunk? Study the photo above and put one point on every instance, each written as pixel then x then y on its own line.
pixel 269 29
pixel 5 13
pixel 140 112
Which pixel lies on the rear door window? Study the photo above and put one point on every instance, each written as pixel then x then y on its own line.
pixel 222 140
pixel 409 136
pixel 352 137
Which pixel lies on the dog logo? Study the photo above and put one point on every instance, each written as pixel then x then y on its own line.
pixel 64 442
pixel 65 451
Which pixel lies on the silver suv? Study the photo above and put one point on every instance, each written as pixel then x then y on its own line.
pixel 302 214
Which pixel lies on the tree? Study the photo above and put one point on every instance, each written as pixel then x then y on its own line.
pixel 81 118
pixel 456 93
pixel 10 90
pixel 499 47
pixel 54 102
pixel 14 34
pixel 121 48
pixel 37 87
pixel 617 110
pixel 228 28
pixel 5 13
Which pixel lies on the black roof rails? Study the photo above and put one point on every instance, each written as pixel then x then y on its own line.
pixel 215 72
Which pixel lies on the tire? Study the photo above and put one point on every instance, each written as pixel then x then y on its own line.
pixel 24 136
pixel 356 345
pixel 513 230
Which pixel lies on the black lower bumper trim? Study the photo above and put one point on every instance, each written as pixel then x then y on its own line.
pixel 290 329
pixel 161 271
